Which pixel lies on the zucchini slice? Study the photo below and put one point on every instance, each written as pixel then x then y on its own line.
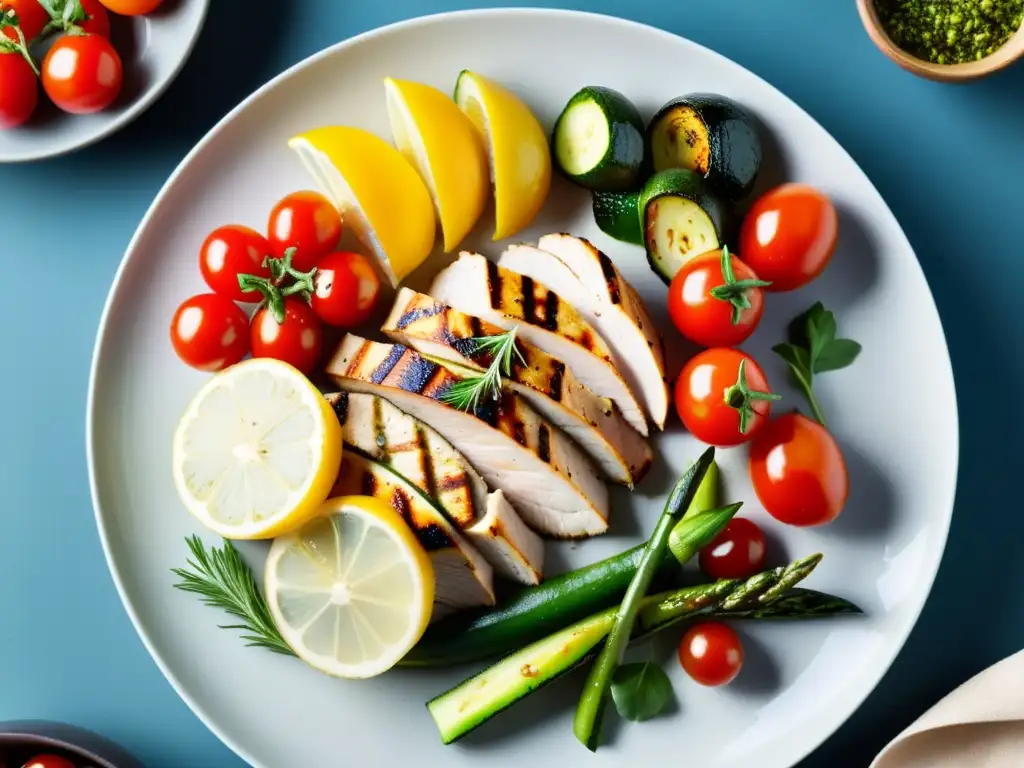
pixel 598 140
pixel 681 219
pixel 711 135
pixel 617 214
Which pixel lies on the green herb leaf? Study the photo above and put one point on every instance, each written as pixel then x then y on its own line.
pixel 223 580
pixel 466 395
pixel 641 691
pixel 813 348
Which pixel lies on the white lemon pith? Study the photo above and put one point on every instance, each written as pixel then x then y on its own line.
pixel 257 451
pixel 378 192
pixel 351 591
pixel 517 145
pixel 443 144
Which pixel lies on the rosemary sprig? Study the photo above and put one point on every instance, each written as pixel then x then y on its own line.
pixel 223 580
pixel 465 395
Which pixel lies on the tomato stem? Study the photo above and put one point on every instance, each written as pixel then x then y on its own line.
pixel 9 18
pixel 742 398
pixel 273 294
pixel 735 291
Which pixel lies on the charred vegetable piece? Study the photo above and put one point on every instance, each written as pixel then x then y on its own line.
pixel 711 135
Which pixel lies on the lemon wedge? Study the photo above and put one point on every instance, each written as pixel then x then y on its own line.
pixel 378 192
pixel 257 451
pixel 437 137
pixel 518 149
pixel 351 591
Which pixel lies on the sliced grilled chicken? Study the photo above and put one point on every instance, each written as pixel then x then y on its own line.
pixel 464 579
pixel 477 286
pixel 549 481
pixel 582 274
pixel 379 429
pixel 442 332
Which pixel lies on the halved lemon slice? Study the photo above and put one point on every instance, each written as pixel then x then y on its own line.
pixel 437 137
pixel 350 591
pixel 380 195
pixel 257 450
pixel 518 148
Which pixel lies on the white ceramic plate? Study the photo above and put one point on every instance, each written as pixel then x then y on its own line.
pixel 153 49
pixel 801 680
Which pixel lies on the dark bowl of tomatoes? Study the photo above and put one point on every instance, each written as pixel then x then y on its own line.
pixel 47 744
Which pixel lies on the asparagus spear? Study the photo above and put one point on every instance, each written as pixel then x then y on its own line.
pixel 477 699
pixel 594 699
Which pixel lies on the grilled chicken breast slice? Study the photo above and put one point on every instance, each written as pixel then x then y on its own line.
pixel 581 273
pixel 549 481
pixel 382 431
pixel 464 579
pixel 442 332
pixel 477 286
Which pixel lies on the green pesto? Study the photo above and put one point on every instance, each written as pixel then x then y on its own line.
pixel 950 31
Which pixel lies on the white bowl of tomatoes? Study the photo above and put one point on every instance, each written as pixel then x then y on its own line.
pixel 74 71
pixel 276 294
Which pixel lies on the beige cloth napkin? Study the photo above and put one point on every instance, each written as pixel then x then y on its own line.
pixel 979 725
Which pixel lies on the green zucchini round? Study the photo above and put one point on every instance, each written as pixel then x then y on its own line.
pixel 598 140
pixel 681 218
pixel 711 135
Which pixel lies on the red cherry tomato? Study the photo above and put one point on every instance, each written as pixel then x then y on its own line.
pixel 798 471
pixel 346 288
pixel 710 310
pixel 298 340
pixel 711 653
pixel 132 7
pixel 82 73
pixel 32 17
pixel 210 332
pixel 48 761
pixel 308 222
pixel 718 387
pixel 736 553
pixel 230 251
pixel 788 236
pixel 19 90
pixel 98 22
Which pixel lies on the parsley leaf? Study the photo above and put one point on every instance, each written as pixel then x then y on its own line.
pixel 641 691
pixel 813 348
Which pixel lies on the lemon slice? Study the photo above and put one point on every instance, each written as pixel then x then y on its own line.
pixel 257 450
pixel 350 591
pixel 518 149
pixel 437 137
pixel 379 194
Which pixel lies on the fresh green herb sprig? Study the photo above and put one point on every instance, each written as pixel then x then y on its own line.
pixel 466 395
pixel 641 691
pixel 812 349
pixel 223 580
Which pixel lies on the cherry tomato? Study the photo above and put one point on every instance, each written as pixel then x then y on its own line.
pixel 98 22
pixel 32 17
pixel 297 341
pixel 308 222
pixel 210 332
pixel 711 310
pixel 346 288
pixel 230 251
pixel 19 90
pixel 48 761
pixel 722 397
pixel 736 553
pixel 798 471
pixel 82 73
pixel 131 7
pixel 788 236
pixel 711 653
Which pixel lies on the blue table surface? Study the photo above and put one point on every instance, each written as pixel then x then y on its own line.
pixel 946 158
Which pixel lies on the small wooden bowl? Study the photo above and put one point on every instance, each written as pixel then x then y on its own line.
pixel 1011 50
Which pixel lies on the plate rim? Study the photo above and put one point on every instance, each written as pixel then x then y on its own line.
pixel 116 291
pixel 129 115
